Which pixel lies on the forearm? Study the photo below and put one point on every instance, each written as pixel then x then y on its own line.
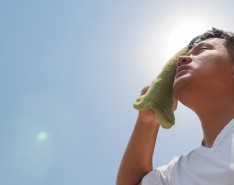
pixel 137 159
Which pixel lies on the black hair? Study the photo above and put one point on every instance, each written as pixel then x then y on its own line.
pixel 216 33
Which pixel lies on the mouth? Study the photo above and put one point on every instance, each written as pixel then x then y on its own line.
pixel 181 70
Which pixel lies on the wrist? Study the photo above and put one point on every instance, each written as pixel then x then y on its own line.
pixel 148 118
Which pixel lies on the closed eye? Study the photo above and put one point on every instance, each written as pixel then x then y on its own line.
pixel 199 48
pixel 202 49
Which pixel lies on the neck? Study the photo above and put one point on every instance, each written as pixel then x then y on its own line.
pixel 215 110
pixel 213 120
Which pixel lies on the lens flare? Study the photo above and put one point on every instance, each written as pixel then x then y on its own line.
pixel 42 136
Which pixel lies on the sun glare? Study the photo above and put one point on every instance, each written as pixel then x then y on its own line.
pixel 181 36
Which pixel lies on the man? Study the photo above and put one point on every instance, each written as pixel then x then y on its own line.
pixel 204 82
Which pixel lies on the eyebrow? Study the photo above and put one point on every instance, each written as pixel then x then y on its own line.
pixel 195 47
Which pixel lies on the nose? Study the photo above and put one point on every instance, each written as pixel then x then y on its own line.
pixel 183 60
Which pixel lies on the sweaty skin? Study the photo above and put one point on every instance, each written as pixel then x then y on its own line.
pixel 160 95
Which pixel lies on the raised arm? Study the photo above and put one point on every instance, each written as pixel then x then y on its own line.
pixel 137 159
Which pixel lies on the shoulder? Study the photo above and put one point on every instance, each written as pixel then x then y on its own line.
pixel 160 175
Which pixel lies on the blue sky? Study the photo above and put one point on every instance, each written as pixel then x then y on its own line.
pixel 69 73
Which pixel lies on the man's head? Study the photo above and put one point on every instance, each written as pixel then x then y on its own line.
pixel 205 74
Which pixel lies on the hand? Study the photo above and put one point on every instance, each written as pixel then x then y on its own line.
pixel 149 116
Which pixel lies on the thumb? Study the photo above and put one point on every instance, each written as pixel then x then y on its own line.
pixel 175 103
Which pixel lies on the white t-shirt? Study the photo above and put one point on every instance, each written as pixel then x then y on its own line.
pixel 202 166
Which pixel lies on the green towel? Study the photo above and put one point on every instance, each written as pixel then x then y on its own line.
pixel 159 96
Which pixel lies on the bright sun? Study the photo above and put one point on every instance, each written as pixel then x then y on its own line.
pixel 182 35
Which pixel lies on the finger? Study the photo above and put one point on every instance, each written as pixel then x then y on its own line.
pixel 175 103
pixel 144 90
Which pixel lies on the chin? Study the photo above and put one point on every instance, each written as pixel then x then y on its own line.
pixel 182 88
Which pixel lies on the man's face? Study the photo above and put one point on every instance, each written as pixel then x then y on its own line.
pixel 206 69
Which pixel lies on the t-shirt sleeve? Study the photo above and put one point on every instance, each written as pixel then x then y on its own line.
pixel 160 175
